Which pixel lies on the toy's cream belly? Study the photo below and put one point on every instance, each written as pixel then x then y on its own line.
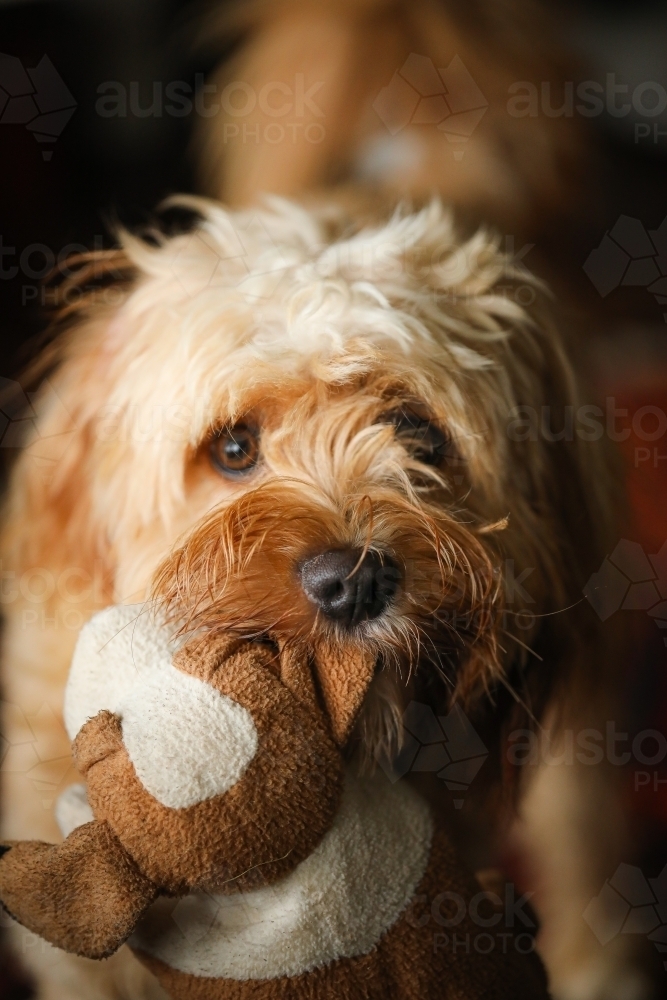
pixel 335 904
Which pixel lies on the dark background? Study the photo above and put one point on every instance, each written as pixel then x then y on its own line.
pixel 106 169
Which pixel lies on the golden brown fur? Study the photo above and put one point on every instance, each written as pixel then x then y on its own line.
pixel 313 328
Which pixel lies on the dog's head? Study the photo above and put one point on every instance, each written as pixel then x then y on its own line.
pixel 291 426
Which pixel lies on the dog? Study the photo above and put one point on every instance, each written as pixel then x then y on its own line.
pixel 298 420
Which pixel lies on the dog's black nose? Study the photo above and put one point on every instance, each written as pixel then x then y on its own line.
pixel 349 587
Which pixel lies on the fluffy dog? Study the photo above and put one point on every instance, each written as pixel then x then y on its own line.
pixel 286 419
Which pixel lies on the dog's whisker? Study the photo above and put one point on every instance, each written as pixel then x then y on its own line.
pixel 558 611
pixel 523 645
pixel 518 699
pixel 369 537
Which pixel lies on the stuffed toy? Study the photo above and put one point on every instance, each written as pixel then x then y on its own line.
pixel 226 839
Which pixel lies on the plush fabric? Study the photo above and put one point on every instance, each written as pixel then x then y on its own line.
pixel 416 959
pixel 186 741
pixel 337 903
pixel 115 650
pixel 274 816
pixel 344 675
pixel 84 895
pixel 230 844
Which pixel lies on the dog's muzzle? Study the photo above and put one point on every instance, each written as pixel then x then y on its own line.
pixel 348 586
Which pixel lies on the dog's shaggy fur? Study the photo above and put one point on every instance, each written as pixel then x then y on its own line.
pixel 315 330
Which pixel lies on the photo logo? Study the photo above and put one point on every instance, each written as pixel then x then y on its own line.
pixel 17 416
pixel 631 255
pixel 19 425
pixel 37 98
pixel 30 754
pixel 629 903
pixel 631 580
pixel 446 744
pixel 420 94
pixel 198 261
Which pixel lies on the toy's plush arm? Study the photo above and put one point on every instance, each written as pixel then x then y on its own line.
pixel 84 895
pixel 99 738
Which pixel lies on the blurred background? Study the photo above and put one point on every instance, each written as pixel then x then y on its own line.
pixel 116 164
pixel 72 167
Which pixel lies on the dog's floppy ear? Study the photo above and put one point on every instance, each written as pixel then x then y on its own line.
pixel 84 895
pixel 344 675
pixel 48 522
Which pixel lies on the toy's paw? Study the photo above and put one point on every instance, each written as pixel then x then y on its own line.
pixel 84 895
pixel 96 740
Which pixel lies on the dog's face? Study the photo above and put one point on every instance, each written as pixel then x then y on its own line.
pixel 330 509
pixel 292 431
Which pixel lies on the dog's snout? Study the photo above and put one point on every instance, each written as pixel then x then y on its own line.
pixel 349 586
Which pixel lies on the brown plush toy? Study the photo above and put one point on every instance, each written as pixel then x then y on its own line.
pixel 231 846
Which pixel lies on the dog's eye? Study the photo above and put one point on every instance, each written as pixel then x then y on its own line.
pixel 235 450
pixel 422 438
